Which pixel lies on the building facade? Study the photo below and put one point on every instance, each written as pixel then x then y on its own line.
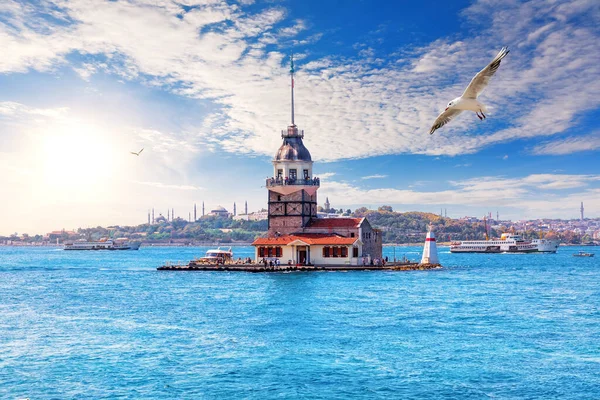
pixel 296 235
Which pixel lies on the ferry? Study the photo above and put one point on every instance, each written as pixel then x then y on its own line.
pixel 102 244
pixel 508 243
pixel 583 254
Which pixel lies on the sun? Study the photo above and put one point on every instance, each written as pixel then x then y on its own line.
pixel 78 156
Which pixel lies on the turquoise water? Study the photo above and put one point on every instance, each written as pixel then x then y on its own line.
pixel 81 325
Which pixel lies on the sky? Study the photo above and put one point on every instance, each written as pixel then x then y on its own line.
pixel 203 87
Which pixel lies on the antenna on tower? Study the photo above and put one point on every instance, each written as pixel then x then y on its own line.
pixel 292 78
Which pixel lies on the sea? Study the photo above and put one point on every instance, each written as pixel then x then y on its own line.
pixel 108 325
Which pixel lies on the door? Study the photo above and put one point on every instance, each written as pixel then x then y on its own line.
pixel 302 257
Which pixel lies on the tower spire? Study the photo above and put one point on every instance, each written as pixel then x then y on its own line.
pixel 292 78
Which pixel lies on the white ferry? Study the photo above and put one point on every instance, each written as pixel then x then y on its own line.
pixel 102 244
pixel 508 243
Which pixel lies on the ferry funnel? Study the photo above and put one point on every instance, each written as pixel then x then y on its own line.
pixel 430 255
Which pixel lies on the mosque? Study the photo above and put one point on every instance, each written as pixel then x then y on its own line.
pixel 295 232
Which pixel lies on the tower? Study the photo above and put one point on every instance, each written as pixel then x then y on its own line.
pixel 430 255
pixel 167 214
pixel 246 207
pixel 234 210
pixel 148 217
pixel 152 215
pixel 327 204
pixel 582 210
pixel 172 214
pixel 203 209
pixel 293 188
pixel 195 217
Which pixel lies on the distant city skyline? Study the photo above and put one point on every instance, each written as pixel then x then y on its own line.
pixel 203 88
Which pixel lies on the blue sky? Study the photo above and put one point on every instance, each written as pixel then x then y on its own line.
pixel 203 87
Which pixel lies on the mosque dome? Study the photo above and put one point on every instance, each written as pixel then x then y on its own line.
pixel 292 149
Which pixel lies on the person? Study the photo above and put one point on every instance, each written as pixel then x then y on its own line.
pixel 386 258
pixel 277 263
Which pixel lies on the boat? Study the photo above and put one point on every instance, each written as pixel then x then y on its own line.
pixel 216 256
pixel 507 243
pixel 583 254
pixel 102 244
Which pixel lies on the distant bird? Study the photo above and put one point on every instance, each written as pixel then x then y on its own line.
pixel 468 100
pixel 138 153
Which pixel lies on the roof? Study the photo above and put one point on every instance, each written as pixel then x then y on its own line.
pixel 335 222
pixel 292 149
pixel 306 238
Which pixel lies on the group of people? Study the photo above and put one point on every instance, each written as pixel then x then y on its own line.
pixel 292 181
pixel 271 263
pixel 375 261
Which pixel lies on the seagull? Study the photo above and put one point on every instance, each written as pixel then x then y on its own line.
pixel 138 153
pixel 468 100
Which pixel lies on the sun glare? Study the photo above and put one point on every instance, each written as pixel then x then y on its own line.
pixel 78 156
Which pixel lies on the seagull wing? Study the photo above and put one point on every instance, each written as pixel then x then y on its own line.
pixel 134 153
pixel 140 152
pixel 444 118
pixel 481 80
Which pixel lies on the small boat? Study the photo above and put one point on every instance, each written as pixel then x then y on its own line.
pixel 217 256
pixel 583 254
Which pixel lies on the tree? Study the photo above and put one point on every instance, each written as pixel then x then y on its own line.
pixel 385 208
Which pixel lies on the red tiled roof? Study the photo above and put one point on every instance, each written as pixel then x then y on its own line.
pixel 335 222
pixel 308 238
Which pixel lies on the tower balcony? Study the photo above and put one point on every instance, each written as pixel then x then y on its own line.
pixel 288 185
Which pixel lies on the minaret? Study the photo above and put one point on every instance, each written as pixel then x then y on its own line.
pixel 168 215
pixel 203 209
pixel 293 188
pixel 234 211
pixel 582 210
pixel 246 207
pixel 172 214
pixel 152 215
pixel 148 217
pixel 195 219
pixel 190 217
pixel 430 255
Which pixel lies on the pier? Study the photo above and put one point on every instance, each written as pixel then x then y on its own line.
pixel 392 266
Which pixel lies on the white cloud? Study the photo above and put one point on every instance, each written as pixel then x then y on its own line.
pixel 376 176
pixel 169 186
pixel 218 51
pixel 569 145
pixel 534 195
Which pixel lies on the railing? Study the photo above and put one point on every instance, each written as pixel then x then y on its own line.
pixel 287 181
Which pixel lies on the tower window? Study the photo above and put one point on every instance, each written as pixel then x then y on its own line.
pixel 278 197
pixel 305 174
pixel 293 173
pixel 279 174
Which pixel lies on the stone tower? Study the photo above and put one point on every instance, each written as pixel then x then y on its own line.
pixel 293 188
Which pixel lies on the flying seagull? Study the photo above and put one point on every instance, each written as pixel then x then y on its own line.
pixel 468 100
pixel 138 153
